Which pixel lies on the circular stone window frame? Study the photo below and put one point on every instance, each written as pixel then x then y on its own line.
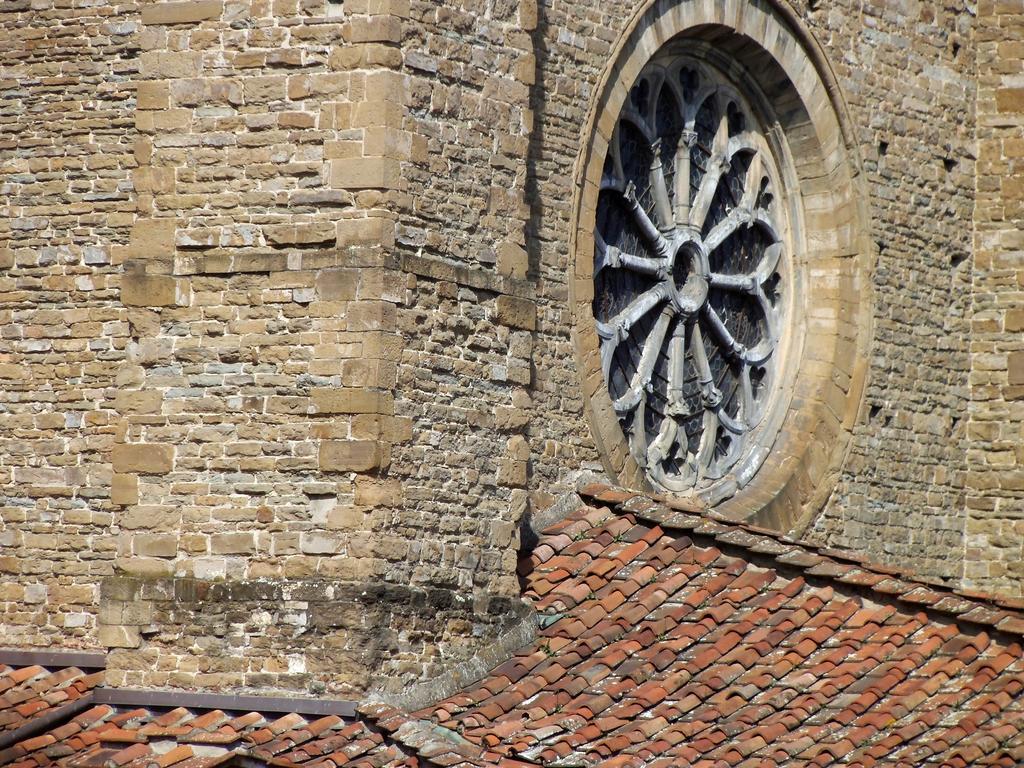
pixel 762 47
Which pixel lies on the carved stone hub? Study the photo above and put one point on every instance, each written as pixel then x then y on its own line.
pixel 689 270
pixel 691 263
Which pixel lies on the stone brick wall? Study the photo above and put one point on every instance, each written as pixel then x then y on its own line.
pixel 469 69
pixel 67 158
pixel 994 542
pixel 253 286
pixel 465 372
pixel 254 293
pixel 260 407
pixel 287 350
pixel 315 634
pixel 241 359
pixel 908 76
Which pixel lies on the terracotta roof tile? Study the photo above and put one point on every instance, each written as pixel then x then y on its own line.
pixel 30 692
pixel 679 664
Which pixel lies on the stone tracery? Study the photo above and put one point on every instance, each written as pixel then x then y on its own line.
pixel 690 252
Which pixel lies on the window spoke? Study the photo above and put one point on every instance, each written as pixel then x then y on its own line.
pixel 648 359
pixel 646 226
pixel 726 341
pixel 741 283
pixel 659 190
pixel 608 256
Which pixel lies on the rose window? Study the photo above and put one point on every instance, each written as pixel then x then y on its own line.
pixel 689 275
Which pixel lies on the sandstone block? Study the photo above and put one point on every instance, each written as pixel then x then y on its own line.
pixel 118 588
pixel 526 69
pixel 371 231
pixel 296 120
pixel 372 492
pixel 137 612
pixel 146 517
pixel 341 150
pixel 350 455
pixel 516 312
pixel 154 180
pixel 337 284
pixel 528 15
pixel 153 238
pixel 365 426
pixel 185 12
pixel 512 472
pixel 375 29
pixel 1015 368
pixel 138 401
pixel 142 150
pixel 324 85
pixel 262 90
pixel 517 448
pixel 155 544
pixel 387 142
pixel 119 637
pixel 365 173
pixel 171 64
pixel 346 518
pixel 361 371
pixel 164 120
pixel 233 543
pixel 206 91
pixel 512 260
pixel 378 7
pixel 300 234
pixel 1010 99
pixel 352 400
pixel 317 543
pixel 374 112
pixel 14 371
pixel 370 316
pixel 287 404
pixel 152 94
pixel 141 290
pixel 382 84
pixel 146 567
pixel 383 346
pixel 144 458
pixel 41 476
pixel 506 418
pixel 124 490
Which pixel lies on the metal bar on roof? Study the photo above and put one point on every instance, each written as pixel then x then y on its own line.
pixel 80 659
pixel 246 703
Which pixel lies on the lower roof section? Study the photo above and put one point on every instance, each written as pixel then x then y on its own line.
pixel 666 638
